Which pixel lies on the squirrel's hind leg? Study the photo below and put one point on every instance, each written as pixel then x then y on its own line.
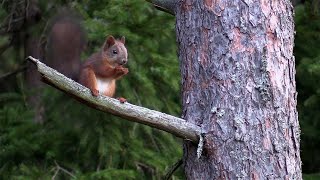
pixel 88 79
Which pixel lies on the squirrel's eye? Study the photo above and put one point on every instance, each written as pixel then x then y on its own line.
pixel 114 52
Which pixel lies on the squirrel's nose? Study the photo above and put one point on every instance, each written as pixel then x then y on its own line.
pixel 124 61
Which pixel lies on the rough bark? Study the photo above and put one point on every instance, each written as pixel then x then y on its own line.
pixel 238 84
pixel 176 126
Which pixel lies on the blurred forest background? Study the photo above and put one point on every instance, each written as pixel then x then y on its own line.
pixel 75 141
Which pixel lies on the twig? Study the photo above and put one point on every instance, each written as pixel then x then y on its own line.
pixel 173 169
pixel 145 167
pixel 58 168
pixel 20 69
pixel 55 173
pixel 174 125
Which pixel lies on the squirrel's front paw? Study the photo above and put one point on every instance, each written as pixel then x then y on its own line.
pixel 125 70
pixel 121 70
pixel 94 92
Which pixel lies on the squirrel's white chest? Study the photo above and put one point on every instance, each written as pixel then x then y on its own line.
pixel 105 84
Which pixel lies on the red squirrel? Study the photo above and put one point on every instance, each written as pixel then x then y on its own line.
pixel 66 41
pixel 101 70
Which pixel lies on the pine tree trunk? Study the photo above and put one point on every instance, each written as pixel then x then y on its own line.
pixel 238 84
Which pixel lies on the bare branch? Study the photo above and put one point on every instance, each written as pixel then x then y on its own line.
pixel 173 169
pixel 176 126
pixel 20 69
pixel 58 168
pixel 164 5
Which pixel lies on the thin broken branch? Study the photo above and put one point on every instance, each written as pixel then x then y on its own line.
pixel 20 69
pixel 173 169
pixel 58 168
pixel 168 6
pixel 176 126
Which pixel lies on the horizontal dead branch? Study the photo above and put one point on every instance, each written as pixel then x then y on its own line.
pixel 164 5
pixel 176 126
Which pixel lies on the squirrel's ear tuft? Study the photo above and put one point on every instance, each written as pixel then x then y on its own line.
pixel 123 39
pixel 109 42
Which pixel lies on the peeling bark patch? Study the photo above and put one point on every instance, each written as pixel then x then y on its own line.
pixel 204 48
pixel 265 7
pixel 236 45
pixel 267 143
pixel 273 44
pixel 255 175
pixel 267 123
pixel 216 6
pixel 273 22
pixel 209 3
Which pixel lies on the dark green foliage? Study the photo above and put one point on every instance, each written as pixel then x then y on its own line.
pixel 77 141
pixel 311 176
pixel 307 53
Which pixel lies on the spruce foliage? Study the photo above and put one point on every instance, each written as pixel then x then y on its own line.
pixel 307 53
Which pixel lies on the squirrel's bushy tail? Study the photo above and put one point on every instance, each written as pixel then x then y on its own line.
pixel 66 41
